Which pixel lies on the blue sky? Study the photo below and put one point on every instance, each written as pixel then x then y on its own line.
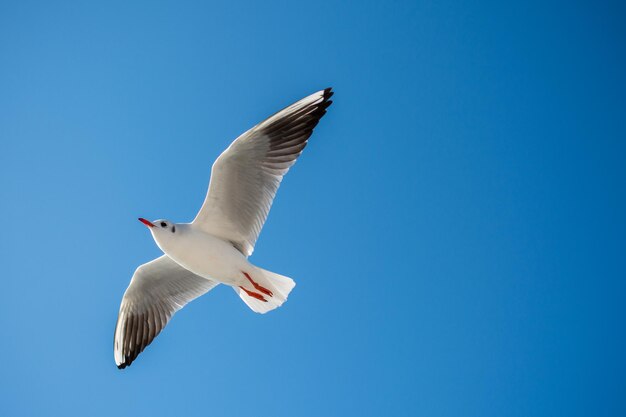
pixel 455 226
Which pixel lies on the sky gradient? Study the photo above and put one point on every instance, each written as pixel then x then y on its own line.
pixel 456 225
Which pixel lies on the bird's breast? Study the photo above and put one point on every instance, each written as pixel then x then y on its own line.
pixel 207 256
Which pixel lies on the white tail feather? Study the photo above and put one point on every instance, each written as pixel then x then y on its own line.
pixel 279 285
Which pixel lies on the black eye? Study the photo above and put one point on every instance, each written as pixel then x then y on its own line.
pixel 163 224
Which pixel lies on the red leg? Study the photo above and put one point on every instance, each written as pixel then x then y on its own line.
pixel 254 295
pixel 257 286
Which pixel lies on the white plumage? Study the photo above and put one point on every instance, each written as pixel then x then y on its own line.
pixel 214 248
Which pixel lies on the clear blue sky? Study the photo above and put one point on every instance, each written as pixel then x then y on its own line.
pixel 456 226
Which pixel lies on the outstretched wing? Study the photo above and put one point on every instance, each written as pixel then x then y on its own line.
pixel 246 176
pixel 157 290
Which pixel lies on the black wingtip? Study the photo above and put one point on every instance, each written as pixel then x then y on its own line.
pixel 328 93
pixel 127 362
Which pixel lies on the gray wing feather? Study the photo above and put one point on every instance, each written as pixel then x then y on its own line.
pixel 157 290
pixel 246 176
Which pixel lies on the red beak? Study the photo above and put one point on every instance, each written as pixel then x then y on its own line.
pixel 146 222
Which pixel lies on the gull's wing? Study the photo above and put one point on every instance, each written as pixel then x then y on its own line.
pixel 246 176
pixel 157 290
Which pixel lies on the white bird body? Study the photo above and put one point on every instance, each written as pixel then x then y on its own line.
pixel 203 254
pixel 215 247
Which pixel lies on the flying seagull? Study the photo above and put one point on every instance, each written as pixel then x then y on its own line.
pixel 213 248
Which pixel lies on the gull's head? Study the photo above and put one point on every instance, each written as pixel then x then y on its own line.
pixel 163 232
pixel 157 227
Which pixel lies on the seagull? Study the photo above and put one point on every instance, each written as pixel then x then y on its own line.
pixel 214 248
